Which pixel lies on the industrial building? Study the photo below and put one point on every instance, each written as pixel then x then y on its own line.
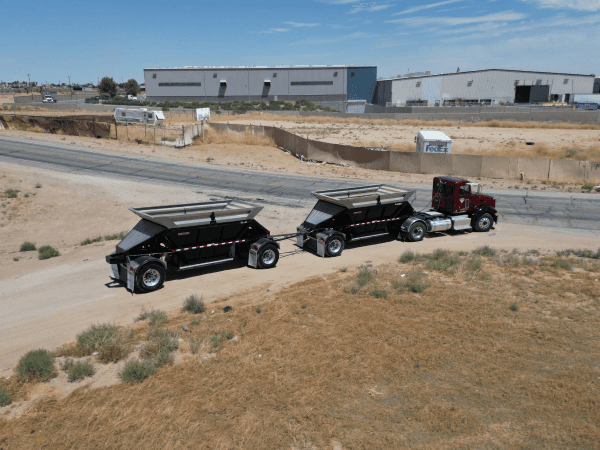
pixel 492 86
pixel 331 86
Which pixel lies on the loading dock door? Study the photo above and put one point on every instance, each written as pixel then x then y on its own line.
pixel 539 93
pixel 522 94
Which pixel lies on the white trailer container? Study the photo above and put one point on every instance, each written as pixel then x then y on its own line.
pixel 141 115
pixel 433 142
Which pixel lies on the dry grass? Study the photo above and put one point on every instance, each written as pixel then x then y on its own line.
pixel 416 123
pixel 212 136
pixel 574 152
pixel 444 368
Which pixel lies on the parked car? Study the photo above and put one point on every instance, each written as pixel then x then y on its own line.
pixel 95 99
pixel 48 99
pixel 131 97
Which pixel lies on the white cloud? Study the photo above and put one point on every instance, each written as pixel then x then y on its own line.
pixel 578 5
pixel 338 26
pixel 420 8
pixel 296 24
pixel 276 30
pixel 337 2
pixel 421 21
pixel 369 8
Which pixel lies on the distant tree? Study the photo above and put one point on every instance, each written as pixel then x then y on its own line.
pixel 108 86
pixel 131 87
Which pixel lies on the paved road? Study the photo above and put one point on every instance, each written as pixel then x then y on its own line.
pixel 558 209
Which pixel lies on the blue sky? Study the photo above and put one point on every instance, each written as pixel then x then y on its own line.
pixel 87 40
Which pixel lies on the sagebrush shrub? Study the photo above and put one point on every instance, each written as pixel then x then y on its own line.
pixel 27 247
pixel 80 370
pixel 136 370
pixel 36 364
pixel 47 251
pixel 194 304
pixel 4 398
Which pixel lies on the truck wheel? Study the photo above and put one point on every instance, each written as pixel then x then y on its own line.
pixel 484 223
pixel 268 256
pixel 151 277
pixel 334 246
pixel 416 232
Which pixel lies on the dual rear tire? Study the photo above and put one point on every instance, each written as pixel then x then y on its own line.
pixel 268 255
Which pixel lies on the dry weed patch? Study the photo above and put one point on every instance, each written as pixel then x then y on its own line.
pixel 451 366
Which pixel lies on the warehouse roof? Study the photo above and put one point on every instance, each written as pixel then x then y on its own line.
pixel 334 66
pixel 486 70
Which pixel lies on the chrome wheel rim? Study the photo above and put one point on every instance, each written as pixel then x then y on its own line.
pixel 268 257
pixel 484 223
pixel 417 232
pixel 335 246
pixel 151 277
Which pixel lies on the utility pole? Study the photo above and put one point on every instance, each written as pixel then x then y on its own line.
pixel 69 77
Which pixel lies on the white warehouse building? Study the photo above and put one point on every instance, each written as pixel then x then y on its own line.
pixel 491 86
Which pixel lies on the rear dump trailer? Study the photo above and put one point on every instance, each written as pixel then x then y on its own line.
pixel 346 215
pixel 189 236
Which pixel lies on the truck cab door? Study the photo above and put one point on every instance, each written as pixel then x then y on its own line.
pixel 464 198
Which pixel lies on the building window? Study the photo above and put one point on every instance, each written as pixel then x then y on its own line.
pixel 335 74
pixel 351 74
pixel 215 75
pixel 123 114
pixel 418 84
pixel 223 83
pixel 179 84
pixel 538 82
pixel 516 82
pixel 153 75
pixel 274 74
pixel 267 83
pixel 566 81
pixel 311 83
pixel 470 83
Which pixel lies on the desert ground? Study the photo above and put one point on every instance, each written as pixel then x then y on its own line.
pixel 340 366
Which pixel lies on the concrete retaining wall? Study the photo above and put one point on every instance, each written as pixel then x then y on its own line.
pixel 471 166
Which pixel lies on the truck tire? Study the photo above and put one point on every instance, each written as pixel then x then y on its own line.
pixel 151 277
pixel 268 256
pixel 483 223
pixel 334 246
pixel 416 232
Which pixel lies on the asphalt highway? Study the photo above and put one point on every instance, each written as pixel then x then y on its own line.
pixel 552 209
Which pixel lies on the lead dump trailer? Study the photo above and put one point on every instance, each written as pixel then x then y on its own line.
pixel 345 215
pixel 190 236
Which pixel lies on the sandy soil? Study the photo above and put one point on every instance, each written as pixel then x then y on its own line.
pixel 465 139
pixel 47 302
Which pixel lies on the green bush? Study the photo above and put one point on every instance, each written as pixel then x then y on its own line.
pixel 364 276
pixel 378 293
pixel 587 187
pixel 195 345
pixel 157 318
pixel 38 185
pixel 80 370
pixel 136 370
pixel 160 345
pixel 484 251
pixel 442 260
pixel 407 257
pixel 47 251
pixel 11 193
pixel 36 364
pixel 27 247
pixel 514 307
pixel 105 339
pixel 165 108
pixel 563 264
pixel 258 310
pixel 4 397
pixel 67 364
pixel 91 241
pixel 113 237
pixel 414 282
pixel 473 265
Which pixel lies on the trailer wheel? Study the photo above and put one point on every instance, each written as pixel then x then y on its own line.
pixel 416 232
pixel 151 277
pixel 484 223
pixel 268 256
pixel 334 246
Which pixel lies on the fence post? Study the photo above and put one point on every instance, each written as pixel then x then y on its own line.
pixel 155 134
pixel 127 131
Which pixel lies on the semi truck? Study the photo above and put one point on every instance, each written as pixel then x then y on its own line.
pixel 189 236
pixel 346 215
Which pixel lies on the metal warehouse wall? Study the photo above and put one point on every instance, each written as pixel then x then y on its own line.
pixel 249 84
pixel 495 84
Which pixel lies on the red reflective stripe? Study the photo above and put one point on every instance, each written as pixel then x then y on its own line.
pixel 208 245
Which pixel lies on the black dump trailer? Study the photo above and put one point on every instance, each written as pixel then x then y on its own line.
pixel 190 236
pixel 345 215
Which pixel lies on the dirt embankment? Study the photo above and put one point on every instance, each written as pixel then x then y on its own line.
pixel 442 350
